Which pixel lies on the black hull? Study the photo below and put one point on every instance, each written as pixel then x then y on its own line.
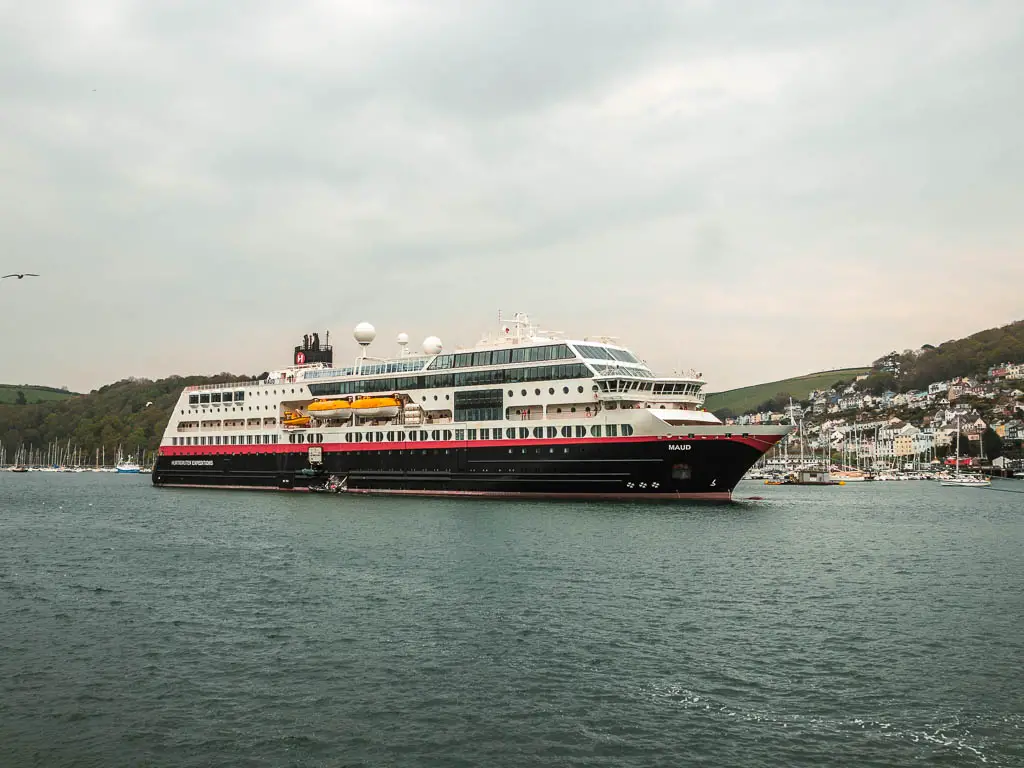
pixel 642 469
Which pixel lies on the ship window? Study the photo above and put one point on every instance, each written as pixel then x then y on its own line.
pixel 524 393
pixel 479 405
pixel 435 434
pixel 581 431
pixel 552 431
pixel 565 390
pixel 611 431
pixel 566 431
pixel 401 436
pixel 204 399
pixel 423 435
pixel 511 393
pixel 524 433
pixel 595 431
pixel 471 434
pixel 460 434
pixel 579 389
pixel 538 432
pixel 510 433
pixel 215 397
pixel 193 399
pixel 501 356
pixel 627 430
pixel 495 434
pixel 536 391
pixel 447 434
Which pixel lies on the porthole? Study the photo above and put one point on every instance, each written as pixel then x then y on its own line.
pixel 536 391
pixel 435 397
pixel 424 398
pixel 447 397
pixel 579 389
pixel 551 390
pixel 524 393
pixel 510 393
pixel 594 387
pixel 565 390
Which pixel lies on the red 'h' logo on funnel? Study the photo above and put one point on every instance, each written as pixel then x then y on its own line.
pixel 300 358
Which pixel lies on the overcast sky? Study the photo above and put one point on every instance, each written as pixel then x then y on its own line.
pixel 752 189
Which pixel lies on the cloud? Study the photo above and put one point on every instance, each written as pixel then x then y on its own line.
pixel 753 189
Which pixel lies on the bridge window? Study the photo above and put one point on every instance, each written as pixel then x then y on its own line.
pixel 193 399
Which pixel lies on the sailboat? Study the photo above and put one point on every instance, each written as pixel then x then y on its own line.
pixel 964 481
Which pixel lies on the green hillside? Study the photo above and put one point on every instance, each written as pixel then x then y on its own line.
pixel 130 413
pixel 745 399
pixel 33 394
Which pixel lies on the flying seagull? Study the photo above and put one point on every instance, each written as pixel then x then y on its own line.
pixel 22 276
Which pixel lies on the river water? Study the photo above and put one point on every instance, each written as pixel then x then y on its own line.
pixel 871 624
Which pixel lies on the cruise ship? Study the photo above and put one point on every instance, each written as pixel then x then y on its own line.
pixel 524 413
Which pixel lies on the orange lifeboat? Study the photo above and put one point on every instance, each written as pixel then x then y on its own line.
pixel 376 407
pixel 330 409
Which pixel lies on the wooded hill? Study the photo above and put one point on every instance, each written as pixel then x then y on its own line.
pixel 131 413
pixel 972 356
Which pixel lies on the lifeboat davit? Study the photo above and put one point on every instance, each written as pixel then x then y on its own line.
pixel 330 409
pixel 376 407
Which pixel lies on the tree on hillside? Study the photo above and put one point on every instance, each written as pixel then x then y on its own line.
pixel 19 399
pixel 992 443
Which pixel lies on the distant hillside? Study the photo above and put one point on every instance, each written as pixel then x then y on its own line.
pixel 972 356
pixel 32 394
pixel 114 415
pixel 745 399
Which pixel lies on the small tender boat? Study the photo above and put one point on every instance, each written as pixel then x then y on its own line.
pixel 376 407
pixel 967 481
pixel 330 409
pixel 295 419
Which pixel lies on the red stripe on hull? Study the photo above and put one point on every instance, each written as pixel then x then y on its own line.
pixel 760 443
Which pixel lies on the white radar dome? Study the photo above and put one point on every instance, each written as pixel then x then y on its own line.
pixel 364 333
pixel 432 345
pixel 403 339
